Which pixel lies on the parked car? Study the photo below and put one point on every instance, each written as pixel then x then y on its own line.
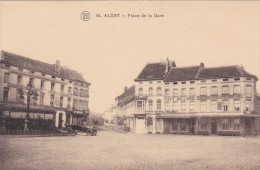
pixel 91 131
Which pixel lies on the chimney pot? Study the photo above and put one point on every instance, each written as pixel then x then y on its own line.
pixel 202 65
pixel 125 88
pixel 57 67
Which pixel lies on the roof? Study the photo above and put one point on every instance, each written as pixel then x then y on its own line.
pixel 182 74
pixel 127 96
pixel 224 72
pixel 154 71
pixel 35 65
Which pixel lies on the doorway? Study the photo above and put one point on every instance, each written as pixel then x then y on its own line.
pixel 214 127
pixel 60 120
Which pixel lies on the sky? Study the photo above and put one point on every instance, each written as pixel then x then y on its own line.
pixel 111 51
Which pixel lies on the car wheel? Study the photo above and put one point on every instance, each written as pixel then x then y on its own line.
pixel 89 132
pixel 94 133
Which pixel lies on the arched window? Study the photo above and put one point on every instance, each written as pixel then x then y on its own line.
pixel 159 91
pixel 150 91
pixel 159 103
pixel 140 92
pixel 150 105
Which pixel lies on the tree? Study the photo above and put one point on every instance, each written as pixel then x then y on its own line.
pixel 31 95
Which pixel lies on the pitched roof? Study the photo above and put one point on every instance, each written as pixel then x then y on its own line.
pixel 152 71
pixel 182 74
pixel 35 65
pixel 127 96
pixel 224 72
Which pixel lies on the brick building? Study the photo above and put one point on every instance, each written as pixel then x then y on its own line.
pixel 63 93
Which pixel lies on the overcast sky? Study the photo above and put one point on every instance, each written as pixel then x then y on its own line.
pixel 111 52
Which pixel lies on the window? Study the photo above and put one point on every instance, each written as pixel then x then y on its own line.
pixel 225 90
pixel 203 126
pixel 150 105
pixel 224 124
pixel 86 93
pixel 31 82
pixel 80 105
pixel 6 92
pixel 175 125
pixel 69 90
pixel 214 80
pixel 192 106
pixel 225 79
pixel 75 104
pixel 175 92
pixel 140 91
pixel 62 88
pixel 150 91
pixel 203 91
pixel 175 82
pixel 183 106
pixel 203 81
pixel 236 124
pixel 19 79
pixel 7 66
pixel 183 125
pixel 167 106
pixel 75 91
pixel 52 100
pixel 85 105
pixel 237 105
pixel 43 74
pixel 236 79
pixel 61 101
pixel 237 89
pixel 214 90
pixel 52 86
pixel 184 82
pixel 159 91
pixel 183 92
pixel 68 102
pixel 225 106
pixel 158 81
pixel 41 98
pixel 248 78
pixel 6 78
pixel 158 104
pixel 175 106
pixel 150 82
pixel 167 92
pixel 214 105
pixel 81 93
pixel 139 105
pixel 192 91
pixel 203 106
pixel 248 103
pixel 42 83
pixel 248 91
pixel 192 82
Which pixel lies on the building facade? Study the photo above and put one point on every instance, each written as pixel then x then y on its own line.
pixel 62 92
pixel 195 100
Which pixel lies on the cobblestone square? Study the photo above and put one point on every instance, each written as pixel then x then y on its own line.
pixel 113 150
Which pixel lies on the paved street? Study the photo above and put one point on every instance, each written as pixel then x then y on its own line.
pixel 112 150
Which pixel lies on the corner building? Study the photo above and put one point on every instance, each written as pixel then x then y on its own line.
pixel 63 93
pixel 196 100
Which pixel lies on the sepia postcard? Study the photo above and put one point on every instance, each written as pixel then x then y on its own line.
pixel 130 85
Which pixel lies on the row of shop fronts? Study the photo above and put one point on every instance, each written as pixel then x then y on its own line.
pixel 239 125
pixel 14 117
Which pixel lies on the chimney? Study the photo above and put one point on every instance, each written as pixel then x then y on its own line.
pixel 202 65
pixel 167 65
pixel 125 89
pixel 57 67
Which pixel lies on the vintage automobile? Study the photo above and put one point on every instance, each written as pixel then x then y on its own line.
pixel 91 131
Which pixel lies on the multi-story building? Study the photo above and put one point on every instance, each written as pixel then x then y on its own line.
pixel 63 93
pixel 196 100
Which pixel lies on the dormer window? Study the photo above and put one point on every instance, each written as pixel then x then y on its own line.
pixel 192 82
pixel 184 82
pixel 225 79
pixel 175 82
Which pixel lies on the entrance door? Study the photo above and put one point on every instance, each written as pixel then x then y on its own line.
pixel 60 120
pixel 248 127
pixel 140 125
pixel 214 127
